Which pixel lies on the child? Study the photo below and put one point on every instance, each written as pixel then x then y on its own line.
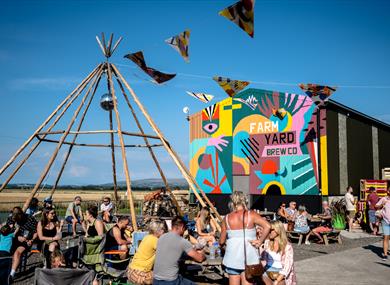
pixel 57 259
pixel 6 236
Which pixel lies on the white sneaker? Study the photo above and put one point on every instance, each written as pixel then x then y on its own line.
pixel 307 242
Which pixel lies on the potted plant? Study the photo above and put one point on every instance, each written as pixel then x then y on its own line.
pixel 339 211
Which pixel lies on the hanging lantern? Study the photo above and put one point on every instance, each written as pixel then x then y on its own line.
pixel 106 102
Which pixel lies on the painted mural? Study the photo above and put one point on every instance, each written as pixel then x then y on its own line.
pixel 269 137
pixel 211 148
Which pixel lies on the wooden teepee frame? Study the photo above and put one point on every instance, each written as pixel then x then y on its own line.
pixel 88 88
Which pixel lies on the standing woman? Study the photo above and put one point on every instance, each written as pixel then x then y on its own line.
pixel 384 206
pixel 49 232
pixel 232 233
pixel 205 227
pixel 278 255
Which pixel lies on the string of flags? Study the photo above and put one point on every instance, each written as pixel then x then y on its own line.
pixel 181 43
pixel 231 87
pixel 318 93
pixel 158 76
pixel 205 98
pixel 242 14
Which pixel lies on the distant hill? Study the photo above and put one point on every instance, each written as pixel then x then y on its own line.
pixel 140 184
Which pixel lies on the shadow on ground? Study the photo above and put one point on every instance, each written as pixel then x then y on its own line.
pixel 375 249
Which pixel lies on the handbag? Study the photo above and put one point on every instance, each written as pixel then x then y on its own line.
pixel 254 271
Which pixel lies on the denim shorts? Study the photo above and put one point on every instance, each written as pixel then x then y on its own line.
pixel 70 218
pixel 385 228
pixel 302 229
pixel 371 216
pixel 233 271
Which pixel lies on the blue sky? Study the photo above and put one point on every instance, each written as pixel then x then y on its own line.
pixel 47 47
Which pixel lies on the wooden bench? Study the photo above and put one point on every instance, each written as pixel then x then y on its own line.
pixel 334 235
pixel 25 256
pixel 296 235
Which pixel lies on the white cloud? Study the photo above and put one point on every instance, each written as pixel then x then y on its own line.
pixel 78 171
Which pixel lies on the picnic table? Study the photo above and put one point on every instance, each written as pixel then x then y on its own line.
pixel 267 214
pixel 207 267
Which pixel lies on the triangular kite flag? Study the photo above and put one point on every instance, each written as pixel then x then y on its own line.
pixel 180 43
pixel 138 59
pixel 318 93
pixel 242 14
pixel 231 87
pixel 205 98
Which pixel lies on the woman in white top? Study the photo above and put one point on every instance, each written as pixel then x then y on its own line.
pixel 278 257
pixel 232 233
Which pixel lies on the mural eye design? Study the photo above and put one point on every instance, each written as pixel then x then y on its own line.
pixel 210 128
pixel 210 119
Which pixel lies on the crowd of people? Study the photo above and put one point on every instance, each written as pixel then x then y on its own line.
pixel 297 219
pixel 41 226
pixel 245 238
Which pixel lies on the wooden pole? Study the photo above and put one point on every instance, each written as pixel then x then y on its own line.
pixel 124 159
pixel 116 45
pixel 34 147
pixel 99 145
pixel 113 159
pixel 99 132
pixel 150 149
pixel 191 181
pixel 104 45
pixel 109 45
pixel 100 45
pixel 75 136
pixel 26 143
pixel 53 157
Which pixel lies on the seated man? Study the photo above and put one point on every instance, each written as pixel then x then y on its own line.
pixel 24 237
pixel 106 210
pixel 326 224
pixel 73 214
pixel 170 248
pixel 32 209
pixel 48 203
pixel 116 237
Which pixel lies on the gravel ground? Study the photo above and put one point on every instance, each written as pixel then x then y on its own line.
pixel 300 252
pixel 308 251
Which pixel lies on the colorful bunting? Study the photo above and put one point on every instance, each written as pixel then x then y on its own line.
pixel 138 59
pixel 205 98
pixel 318 93
pixel 231 87
pixel 242 14
pixel 180 43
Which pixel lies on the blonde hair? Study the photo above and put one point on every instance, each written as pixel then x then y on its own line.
pixel 282 240
pixel 156 226
pixel 56 256
pixel 238 198
pixel 204 217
